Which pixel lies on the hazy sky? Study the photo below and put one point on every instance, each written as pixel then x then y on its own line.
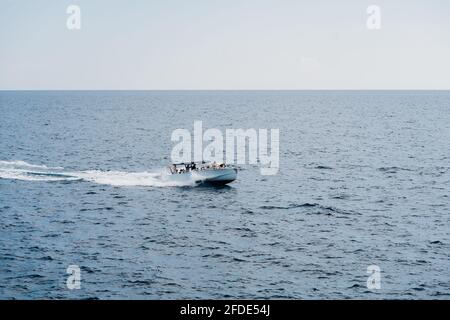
pixel 227 44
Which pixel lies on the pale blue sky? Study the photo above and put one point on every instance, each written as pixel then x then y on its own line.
pixel 211 44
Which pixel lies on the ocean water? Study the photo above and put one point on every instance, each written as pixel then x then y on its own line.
pixel 364 180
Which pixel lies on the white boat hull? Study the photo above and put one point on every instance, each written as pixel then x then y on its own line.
pixel 208 176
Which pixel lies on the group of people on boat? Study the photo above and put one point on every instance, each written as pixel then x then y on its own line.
pixel 188 167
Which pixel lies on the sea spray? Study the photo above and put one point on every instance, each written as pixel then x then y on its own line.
pixel 21 170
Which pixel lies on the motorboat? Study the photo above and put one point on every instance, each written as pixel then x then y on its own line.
pixel 202 173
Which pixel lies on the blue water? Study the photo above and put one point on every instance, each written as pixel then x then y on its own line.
pixel 364 180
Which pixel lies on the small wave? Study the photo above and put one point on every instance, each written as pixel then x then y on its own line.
pixel 319 209
pixel 21 170
pixel 273 207
pixel 34 176
pixel 290 206
pixel 24 165
pixel 323 167
pixel 393 169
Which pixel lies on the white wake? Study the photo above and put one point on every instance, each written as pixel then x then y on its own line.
pixel 21 170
